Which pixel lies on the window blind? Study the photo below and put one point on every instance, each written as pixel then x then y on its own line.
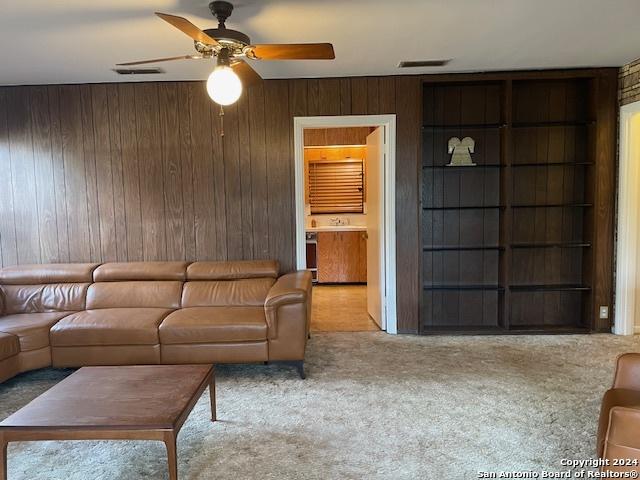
pixel 336 186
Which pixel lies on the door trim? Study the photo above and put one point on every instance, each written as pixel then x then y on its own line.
pixel 388 123
pixel 628 239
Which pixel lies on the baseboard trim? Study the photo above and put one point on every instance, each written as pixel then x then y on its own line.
pixel 636 329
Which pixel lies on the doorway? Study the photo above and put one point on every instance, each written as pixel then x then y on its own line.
pixel 345 218
pixel 627 302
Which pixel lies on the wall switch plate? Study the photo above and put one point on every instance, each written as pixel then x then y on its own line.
pixel 604 311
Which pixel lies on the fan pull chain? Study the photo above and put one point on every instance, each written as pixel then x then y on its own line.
pixel 221 114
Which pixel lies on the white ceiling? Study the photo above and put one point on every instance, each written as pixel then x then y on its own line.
pixel 77 41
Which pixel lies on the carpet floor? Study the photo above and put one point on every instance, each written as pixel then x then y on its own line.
pixel 374 406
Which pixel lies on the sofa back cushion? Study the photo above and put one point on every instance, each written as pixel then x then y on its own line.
pixel 139 271
pixel 137 285
pixel 45 288
pixel 47 273
pixel 229 284
pixel 134 294
pixel 227 293
pixel 53 297
pixel 233 270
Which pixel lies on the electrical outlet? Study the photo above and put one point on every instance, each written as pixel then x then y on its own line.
pixel 604 311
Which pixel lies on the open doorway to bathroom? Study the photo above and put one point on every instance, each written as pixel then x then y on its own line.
pixel 342 196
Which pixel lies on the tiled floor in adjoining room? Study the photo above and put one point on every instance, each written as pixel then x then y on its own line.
pixel 341 308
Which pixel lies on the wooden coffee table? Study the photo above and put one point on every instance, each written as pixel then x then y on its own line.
pixel 113 403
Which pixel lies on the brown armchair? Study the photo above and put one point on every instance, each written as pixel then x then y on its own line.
pixel 619 424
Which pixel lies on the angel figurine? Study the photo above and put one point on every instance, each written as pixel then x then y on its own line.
pixel 461 151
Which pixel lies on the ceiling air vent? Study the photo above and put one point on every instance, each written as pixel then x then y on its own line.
pixel 138 71
pixel 423 63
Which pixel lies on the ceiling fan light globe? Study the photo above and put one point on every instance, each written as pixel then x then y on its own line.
pixel 224 86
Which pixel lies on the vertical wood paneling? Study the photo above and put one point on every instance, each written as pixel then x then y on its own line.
pixel 345 96
pixel 387 93
pixel 246 194
pixel 8 243
pixel 407 214
pixel 280 197
pixel 329 96
pixel 219 222
pixel 89 154
pixel 74 174
pixel 373 92
pixel 172 169
pixel 58 178
pixel 204 206
pixel 604 208
pixel 117 173
pixel 130 172
pixel 23 176
pixel 232 183
pixel 184 95
pixel 359 96
pixel 313 95
pixel 259 184
pixel 151 173
pixel 104 173
pixel 43 170
pixel 139 171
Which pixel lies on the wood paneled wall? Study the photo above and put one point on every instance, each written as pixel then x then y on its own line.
pixel 138 171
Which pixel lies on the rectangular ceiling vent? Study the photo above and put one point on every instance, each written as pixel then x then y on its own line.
pixel 423 63
pixel 138 71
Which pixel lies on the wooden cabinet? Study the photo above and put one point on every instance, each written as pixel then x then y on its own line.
pixel 342 257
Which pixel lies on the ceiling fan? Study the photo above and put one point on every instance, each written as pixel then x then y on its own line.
pixel 230 48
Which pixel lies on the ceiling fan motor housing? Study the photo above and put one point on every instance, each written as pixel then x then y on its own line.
pixel 221 10
pixel 233 40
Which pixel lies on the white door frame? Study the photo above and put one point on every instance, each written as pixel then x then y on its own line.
pixel 628 240
pixel 388 122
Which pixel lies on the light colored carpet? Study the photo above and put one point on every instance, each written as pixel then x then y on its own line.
pixel 374 407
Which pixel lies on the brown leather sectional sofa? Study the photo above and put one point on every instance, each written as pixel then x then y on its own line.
pixel 619 425
pixel 71 315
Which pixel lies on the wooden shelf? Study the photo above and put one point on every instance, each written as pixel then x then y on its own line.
pixel 516 330
pixel 512 276
pixel 555 205
pixel 463 126
pixel 463 167
pixel 552 245
pixel 468 207
pixel 549 288
pixel 553 164
pixel 444 248
pixel 566 123
pixel 464 287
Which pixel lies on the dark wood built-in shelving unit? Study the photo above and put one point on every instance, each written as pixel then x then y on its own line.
pixel 508 245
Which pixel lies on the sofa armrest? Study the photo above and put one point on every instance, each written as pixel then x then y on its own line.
pixel 627 371
pixel 292 288
pixel 623 438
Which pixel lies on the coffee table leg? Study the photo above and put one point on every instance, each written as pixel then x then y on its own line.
pixel 172 455
pixel 3 457
pixel 212 397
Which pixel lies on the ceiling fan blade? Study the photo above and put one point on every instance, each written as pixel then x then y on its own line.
pixel 246 72
pixel 185 26
pixel 157 60
pixel 294 51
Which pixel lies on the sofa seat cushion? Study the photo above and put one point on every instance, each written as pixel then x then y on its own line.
pixel 9 346
pixel 31 328
pixel 214 325
pixel 109 326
